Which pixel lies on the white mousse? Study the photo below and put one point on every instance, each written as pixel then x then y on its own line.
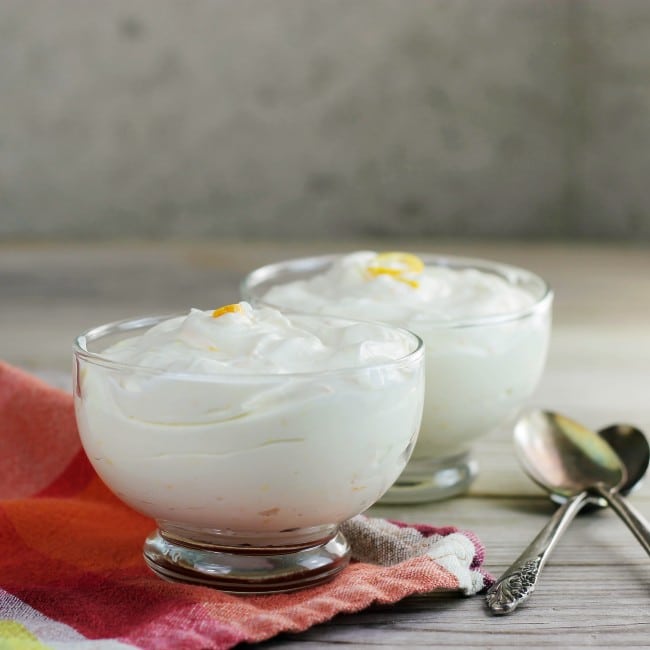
pixel 485 342
pixel 252 421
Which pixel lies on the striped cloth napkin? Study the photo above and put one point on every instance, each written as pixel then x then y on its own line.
pixel 71 567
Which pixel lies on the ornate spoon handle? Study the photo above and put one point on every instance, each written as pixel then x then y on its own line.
pixel 519 581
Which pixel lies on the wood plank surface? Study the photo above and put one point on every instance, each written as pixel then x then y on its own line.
pixel 595 590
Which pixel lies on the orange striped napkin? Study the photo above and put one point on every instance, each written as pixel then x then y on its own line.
pixel 71 567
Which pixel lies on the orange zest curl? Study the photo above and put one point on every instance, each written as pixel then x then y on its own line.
pixel 397 265
pixel 227 309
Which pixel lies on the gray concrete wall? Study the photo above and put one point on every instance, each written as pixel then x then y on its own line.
pixel 325 118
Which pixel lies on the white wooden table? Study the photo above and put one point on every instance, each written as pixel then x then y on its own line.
pixel 595 591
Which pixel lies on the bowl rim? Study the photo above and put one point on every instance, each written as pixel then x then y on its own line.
pixel 80 351
pixel 506 271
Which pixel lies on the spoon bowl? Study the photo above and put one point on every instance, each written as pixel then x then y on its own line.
pixel 564 457
pixel 631 446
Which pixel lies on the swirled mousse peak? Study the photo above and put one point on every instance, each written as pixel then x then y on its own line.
pixel 400 288
pixel 238 338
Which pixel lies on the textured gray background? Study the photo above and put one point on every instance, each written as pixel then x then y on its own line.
pixel 325 118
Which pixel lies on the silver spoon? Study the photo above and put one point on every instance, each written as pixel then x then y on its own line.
pixel 574 464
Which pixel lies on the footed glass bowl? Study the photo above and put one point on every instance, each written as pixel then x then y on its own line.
pixel 479 370
pixel 246 475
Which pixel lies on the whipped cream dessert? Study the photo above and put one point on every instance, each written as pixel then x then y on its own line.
pixel 400 288
pixel 244 419
pixel 485 333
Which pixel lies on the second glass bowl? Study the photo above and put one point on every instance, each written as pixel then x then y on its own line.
pixel 479 371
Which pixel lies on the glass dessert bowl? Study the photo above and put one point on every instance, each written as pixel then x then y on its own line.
pixel 248 436
pixel 485 325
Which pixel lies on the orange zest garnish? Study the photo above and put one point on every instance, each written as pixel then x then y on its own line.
pixel 397 265
pixel 412 283
pixel 227 309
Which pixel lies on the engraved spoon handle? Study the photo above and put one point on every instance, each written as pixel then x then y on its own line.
pixel 519 580
pixel 630 515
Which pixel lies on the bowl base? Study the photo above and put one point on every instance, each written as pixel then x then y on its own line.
pixel 433 480
pixel 246 569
